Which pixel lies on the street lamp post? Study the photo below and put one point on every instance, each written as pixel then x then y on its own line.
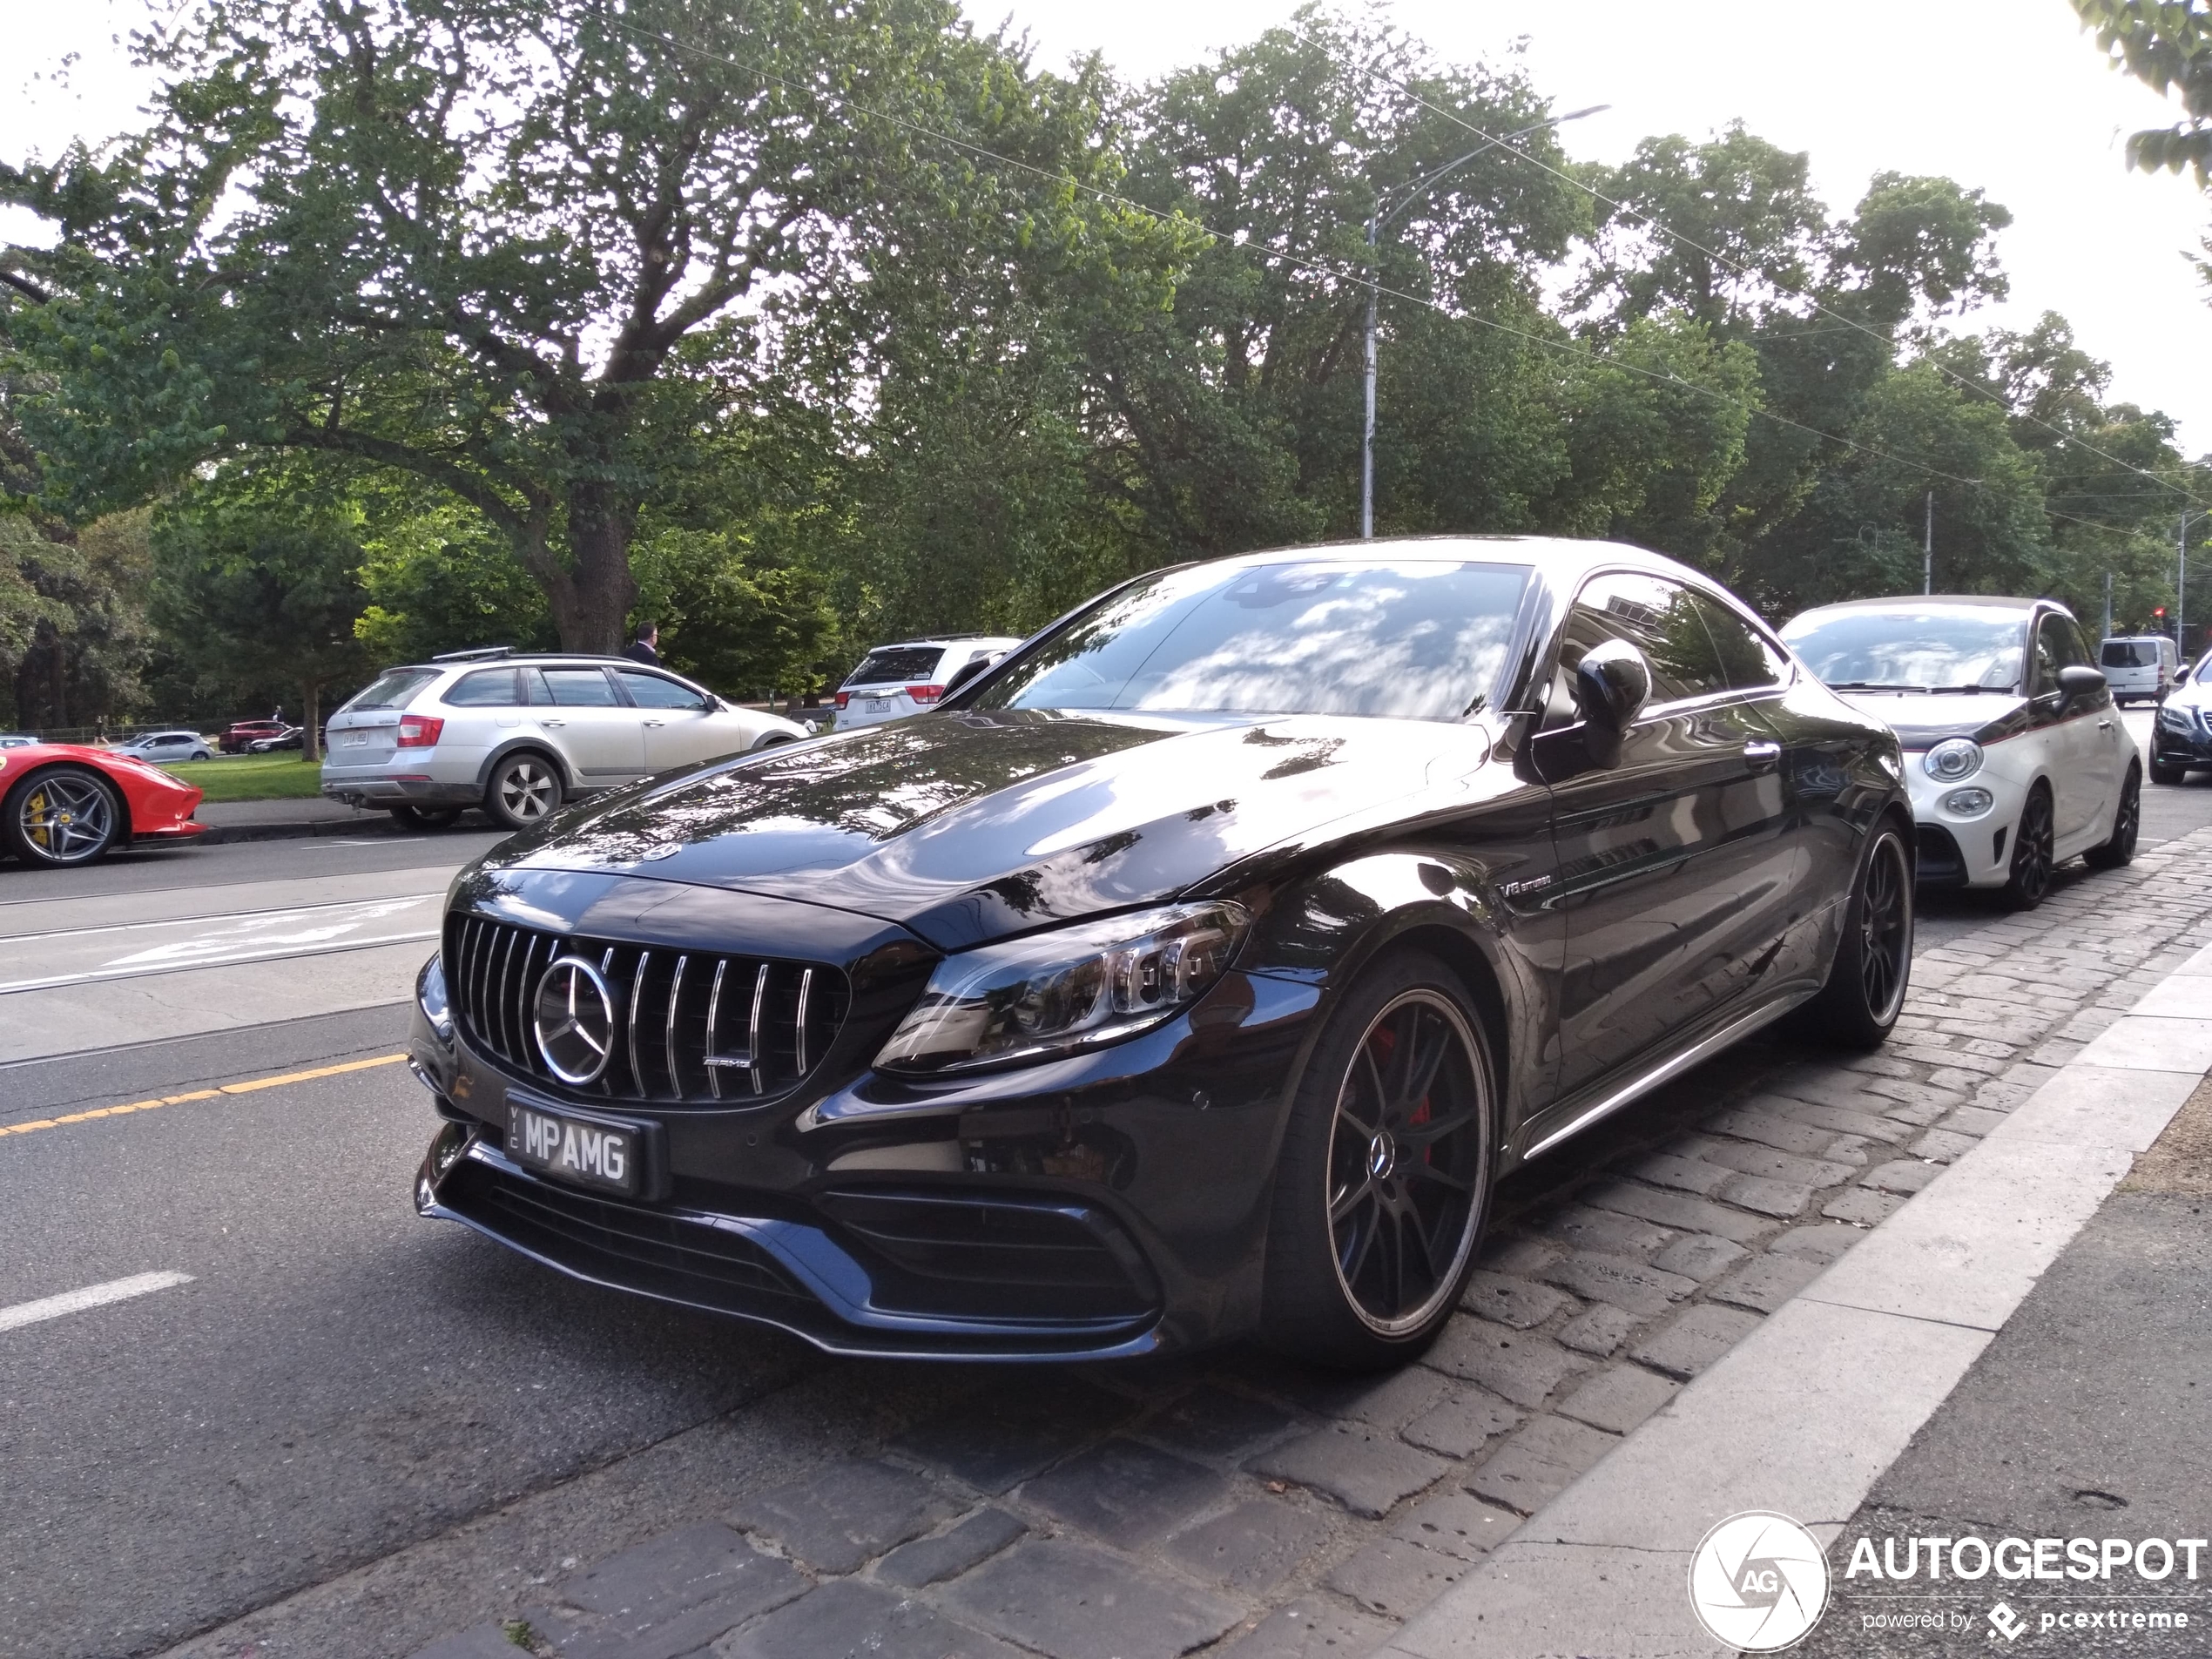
pixel 1376 220
pixel 2182 582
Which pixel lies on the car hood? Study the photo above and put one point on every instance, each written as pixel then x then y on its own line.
pixel 969 825
pixel 1923 718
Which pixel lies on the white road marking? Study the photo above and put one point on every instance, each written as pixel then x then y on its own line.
pixel 209 941
pixel 92 1296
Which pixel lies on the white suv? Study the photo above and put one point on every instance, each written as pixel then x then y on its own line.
pixel 517 734
pixel 895 681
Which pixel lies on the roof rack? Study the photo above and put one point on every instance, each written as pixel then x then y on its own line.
pixel 483 653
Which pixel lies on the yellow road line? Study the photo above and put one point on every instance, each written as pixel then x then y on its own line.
pixel 251 1085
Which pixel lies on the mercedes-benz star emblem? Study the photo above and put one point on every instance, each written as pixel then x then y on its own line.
pixel 574 1022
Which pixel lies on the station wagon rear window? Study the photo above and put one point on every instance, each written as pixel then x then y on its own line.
pixel 394 688
pixel 897 665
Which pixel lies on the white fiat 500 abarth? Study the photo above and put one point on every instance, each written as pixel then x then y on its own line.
pixel 2013 750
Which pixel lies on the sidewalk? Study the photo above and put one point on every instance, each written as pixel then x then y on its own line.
pixel 1230 1504
pixel 1805 1416
pixel 275 820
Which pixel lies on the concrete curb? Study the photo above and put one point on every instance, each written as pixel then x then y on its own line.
pixel 1804 1414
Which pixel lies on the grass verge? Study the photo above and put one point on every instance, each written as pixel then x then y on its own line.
pixel 277 776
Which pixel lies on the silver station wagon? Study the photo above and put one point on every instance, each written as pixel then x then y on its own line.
pixel 517 734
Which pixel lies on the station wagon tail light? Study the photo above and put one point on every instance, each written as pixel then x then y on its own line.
pixel 844 697
pixel 420 731
pixel 1953 760
pixel 925 694
pixel 1066 990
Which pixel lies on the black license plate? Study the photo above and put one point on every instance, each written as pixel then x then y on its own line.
pixel 574 1149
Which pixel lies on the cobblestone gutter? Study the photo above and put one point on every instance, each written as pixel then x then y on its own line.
pixel 1232 1504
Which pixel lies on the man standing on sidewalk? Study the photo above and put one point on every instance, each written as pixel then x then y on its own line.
pixel 646 647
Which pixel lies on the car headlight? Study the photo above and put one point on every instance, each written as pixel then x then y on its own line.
pixel 1066 990
pixel 430 994
pixel 2173 718
pixel 1953 760
pixel 1968 803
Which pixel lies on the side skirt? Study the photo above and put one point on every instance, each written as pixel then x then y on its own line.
pixel 1611 1094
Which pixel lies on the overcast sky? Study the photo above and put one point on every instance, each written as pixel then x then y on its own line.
pixel 2006 95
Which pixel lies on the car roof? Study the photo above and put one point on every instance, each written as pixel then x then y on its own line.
pixel 940 640
pixel 1921 601
pixel 2136 639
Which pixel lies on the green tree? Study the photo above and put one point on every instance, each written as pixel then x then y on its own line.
pixel 2167 44
pixel 257 580
pixel 468 241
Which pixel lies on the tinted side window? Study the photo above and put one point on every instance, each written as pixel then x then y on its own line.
pixel 487 688
pixel 2058 644
pixel 651 691
pixel 1660 618
pixel 581 688
pixel 1748 659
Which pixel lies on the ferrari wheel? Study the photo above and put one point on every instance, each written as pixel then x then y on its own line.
pixel 62 816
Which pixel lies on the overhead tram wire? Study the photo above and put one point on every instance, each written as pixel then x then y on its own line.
pixel 1343 275
pixel 1673 235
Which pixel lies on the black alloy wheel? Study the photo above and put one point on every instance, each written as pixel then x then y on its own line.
pixel 1385 1181
pixel 63 816
pixel 2030 880
pixel 2127 825
pixel 2163 772
pixel 426 817
pixel 1873 962
pixel 525 787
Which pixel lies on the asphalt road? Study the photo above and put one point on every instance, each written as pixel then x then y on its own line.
pixel 322 1379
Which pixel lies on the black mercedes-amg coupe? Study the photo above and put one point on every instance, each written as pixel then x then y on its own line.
pixel 1196 970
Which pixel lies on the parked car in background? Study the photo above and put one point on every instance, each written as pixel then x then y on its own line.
pixel 1197 971
pixel 518 734
pixel 166 746
pixel 285 737
pixel 2180 740
pixel 2138 666
pixel 240 733
pixel 2015 754
pixel 15 739
pixel 64 803
pixel 895 681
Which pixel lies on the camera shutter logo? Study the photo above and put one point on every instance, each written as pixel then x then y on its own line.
pixel 575 1020
pixel 1758 1582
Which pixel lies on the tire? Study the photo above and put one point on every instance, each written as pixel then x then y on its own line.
pixel 1369 1245
pixel 2030 880
pixel 2162 774
pixel 425 817
pixel 1867 976
pixel 62 817
pixel 201 754
pixel 2126 825
pixel 524 788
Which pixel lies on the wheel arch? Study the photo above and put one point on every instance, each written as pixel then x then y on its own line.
pixel 520 744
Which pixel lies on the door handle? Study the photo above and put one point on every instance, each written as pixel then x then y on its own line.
pixel 2104 725
pixel 650 725
pixel 552 722
pixel 1761 757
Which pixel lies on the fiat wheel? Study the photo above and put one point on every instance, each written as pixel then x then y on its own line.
pixel 62 816
pixel 1867 977
pixel 1384 1184
pixel 2127 825
pixel 523 788
pixel 2030 879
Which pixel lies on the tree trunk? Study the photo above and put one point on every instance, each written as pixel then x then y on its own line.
pixel 600 588
pixel 311 727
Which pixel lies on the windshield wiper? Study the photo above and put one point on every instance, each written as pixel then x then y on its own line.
pixel 2003 690
pixel 1871 685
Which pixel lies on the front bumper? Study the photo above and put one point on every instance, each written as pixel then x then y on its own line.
pixel 1105 1206
pixel 2179 737
pixel 1965 849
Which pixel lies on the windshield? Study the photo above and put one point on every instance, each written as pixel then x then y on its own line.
pixel 391 689
pixel 1913 648
pixel 1414 639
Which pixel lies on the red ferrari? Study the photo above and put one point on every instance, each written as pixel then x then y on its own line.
pixel 62 804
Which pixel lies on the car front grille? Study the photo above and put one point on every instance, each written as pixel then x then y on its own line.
pixel 690 1027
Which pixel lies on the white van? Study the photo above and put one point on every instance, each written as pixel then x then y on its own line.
pixel 2138 665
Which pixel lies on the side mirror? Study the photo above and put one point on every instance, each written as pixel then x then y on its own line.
pixel 2181 675
pixel 1612 684
pixel 2079 680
